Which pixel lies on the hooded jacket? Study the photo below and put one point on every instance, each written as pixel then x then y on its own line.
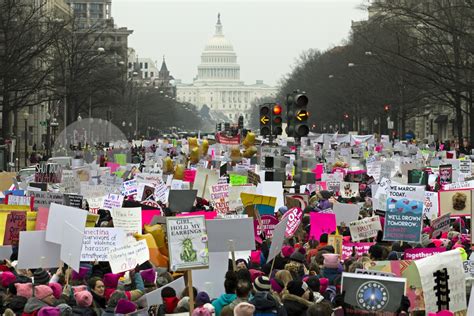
pixel 266 304
pixel 33 306
pixel 331 274
pixel 295 305
pixel 222 301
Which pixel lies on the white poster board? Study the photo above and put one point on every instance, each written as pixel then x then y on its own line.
pixel 35 252
pixel 58 216
pixel 222 231
pixel 128 256
pixel 99 240
pixel 71 246
pixel 277 240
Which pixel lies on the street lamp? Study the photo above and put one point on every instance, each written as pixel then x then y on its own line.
pixel 331 76
pixel 79 118
pixel 25 117
pixel 350 65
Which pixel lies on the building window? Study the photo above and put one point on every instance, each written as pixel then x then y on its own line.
pixel 96 11
pixel 146 74
pixel 152 74
pixel 80 10
pixel 146 65
pixel 129 65
pixel 141 65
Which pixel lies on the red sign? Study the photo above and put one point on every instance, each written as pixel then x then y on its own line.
pixel 226 140
pixel 294 215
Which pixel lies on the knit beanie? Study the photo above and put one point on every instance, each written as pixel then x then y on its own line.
pixel 202 298
pixel 49 311
pixel 244 309
pixel 148 276
pixel 125 307
pixel 43 291
pixel 331 260
pixel 24 289
pixel 262 284
pixel 277 285
pixel 65 309
pixel 57 289
pixel 7 278
pixel 168 292
pixel 298 256
pixel 287 251
pixel 83 298
pixel 81 274
pixel 41 277
pixel 254 274
pixel 201 311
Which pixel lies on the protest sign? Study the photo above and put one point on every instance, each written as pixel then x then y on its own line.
pixel 333 181
pixel 265 205
pixel 374 272
pixel 373 293
pixel 365 228
pixel 336 242
pixel 71 246
pixel 349 190
pixel 459 185
pixel 73 200
pixel 181 200
pixel 445 174
pixel 274 189
pixel 187 243
pixel 465 169
pixel 220 198
pixel 210 280
pixel 98 241
pixel 147 215
pixel 161 192
pixel 205 178
pixel 268 222
pixel 70 182
pixel 16 222
pixel 154 298
pixel 278 238
pixel 128 256
pixel 207 215
pixel 129 187
pixel 48 172
pixel 58 216
pixel 129 219
pixel 5 252
pixel 404 213
pixel 321 223
pixel 346 213
pixel 42 218
pixel 44 199
pixel 239 230
pixel 420 253
pixel 431 208
pixel 11 199
pixel 296 200
pixel 435 271
pixel 457 202
pixel 357 249
pixel 294 215
pixel 237 179
pixel 235 202
pixel 253 178
pixel 35 252
pixel 440 225
pixel 112 201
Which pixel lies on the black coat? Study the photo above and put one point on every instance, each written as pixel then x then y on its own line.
pixel 295 305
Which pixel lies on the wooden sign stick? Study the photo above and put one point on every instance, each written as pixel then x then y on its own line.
pixel 189 284
pixel 204 189
pixel 232 253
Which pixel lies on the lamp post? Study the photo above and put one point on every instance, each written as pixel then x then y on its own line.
pixel 130 129
pixel 25 117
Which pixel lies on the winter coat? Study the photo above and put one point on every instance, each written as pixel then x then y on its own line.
pixel 295 305
pixel 331 274
pixel 221 301
pixel 84 311
pixel 266 304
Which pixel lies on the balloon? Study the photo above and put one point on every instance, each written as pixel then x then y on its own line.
pixel 194 155
pixel 179 172
pixel 204 147
pixel 235 153
pixel 249 140
pixel 192 143
pixel 168 165
pixel 250 152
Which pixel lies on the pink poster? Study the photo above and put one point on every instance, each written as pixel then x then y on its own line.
pixel 318 171
pixel 268 222
pixel 207 215
pixel 322 223
pixel 420 253
pixel 147 215
pixel 189 175
pixel 113 166
pixel 42 218
pixel 294 215
pixel 359 248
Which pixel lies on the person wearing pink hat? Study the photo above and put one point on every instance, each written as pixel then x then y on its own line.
pixel 83 303
pixel 43 297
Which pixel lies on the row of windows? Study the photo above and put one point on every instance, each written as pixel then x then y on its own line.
pixel 219 59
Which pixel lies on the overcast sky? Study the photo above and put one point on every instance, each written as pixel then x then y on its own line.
pixel 267 35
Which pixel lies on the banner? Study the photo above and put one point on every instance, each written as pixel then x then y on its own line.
pixel 420 253
pixel 404 215
pixel 357 249
pixel 127 257
pixel 187 243
pixel 365 228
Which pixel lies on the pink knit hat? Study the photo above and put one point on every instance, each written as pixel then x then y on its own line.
pixel 7 278
pixel 255 274
pixel 148 276
pixel 24 289
pixel 111 280
pixel 244 309
pixel 83 298
pixel 323 285
pixel 287 251
pixel 79 275
pixel 49 311
pixel 57 289
pixel 255 257
pixel 43 291
pixel 331 260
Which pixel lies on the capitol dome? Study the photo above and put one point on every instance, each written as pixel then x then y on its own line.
pixel 218 60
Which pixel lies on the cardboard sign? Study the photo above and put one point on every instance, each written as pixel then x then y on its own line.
pixel 187 243
pixel 71 246
pixel 278 238
pixel 431 208
pixel 349 190
pixel 440 225
pixel 44 199
pixel 365 228
pixel 220 198
pixel 268 222
pixel 112 201
pixel 128 256
pixel 16 222
pixel 98 242
pixel 48 173
pixel 239 230
pixel 404 215
pixel 434 271
pixel 322 223
pixel 182 200
pixel 346 213
pixel 58 216
pixel 295 216
pixel 129 219
pixel 73 200
pixel 420 253
pixel 373 293
pixel 457 202
pixel 336 242
pixel 35 252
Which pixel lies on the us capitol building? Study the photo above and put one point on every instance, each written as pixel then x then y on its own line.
pixel 218 84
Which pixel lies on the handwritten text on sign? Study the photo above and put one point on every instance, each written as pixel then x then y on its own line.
pixel 129 256
pixel 98 241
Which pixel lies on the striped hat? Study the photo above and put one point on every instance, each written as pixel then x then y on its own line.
pixel 262 284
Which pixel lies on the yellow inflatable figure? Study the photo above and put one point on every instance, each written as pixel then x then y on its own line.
pixel 204 147
pixel 159 235
pixel 235 154
pixel 192 143
pixel 168 167
pixel 194 155
pixel 156 257
pixel 249 140
pixel 179 172
pixel 250 152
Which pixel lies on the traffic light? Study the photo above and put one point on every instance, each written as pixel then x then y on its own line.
pixel 297 114
pixel 241 122
pixel 265 125
pixel 277 120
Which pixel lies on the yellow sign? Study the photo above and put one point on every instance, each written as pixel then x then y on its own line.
pixel 5 207
pixel 302 115
pixel 264 120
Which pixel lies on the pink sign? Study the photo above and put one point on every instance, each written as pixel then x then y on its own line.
pixel 294 215
pixel 147 215
pixel 318 171
pixel 322 223
pixel 42 218
pixel 360 248
pixel 113 166
pixel 207 215
pixel 268 222
pixel 189 175
pixel 420 253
